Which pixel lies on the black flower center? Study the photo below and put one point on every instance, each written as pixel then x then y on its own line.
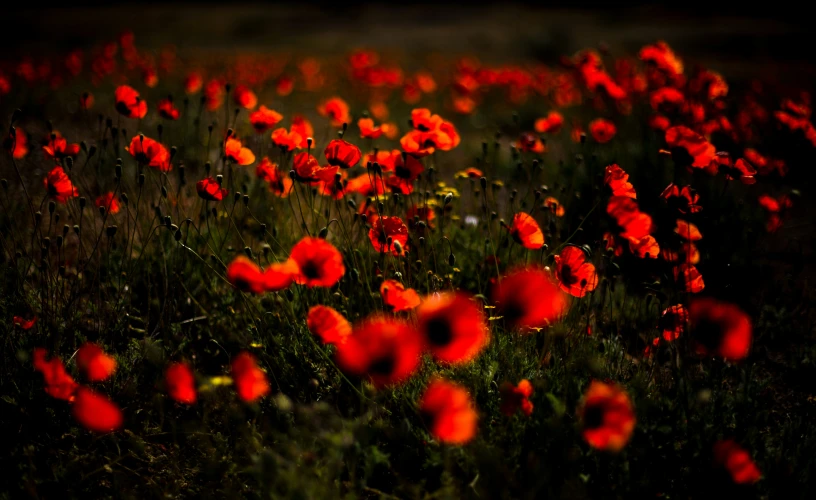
pixel 439 332
pixel 593 417
pixel 382 366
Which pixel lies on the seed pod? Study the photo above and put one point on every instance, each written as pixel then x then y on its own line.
pixel 102 211
pixel 177 235
pixel 248 252
pixel 451 260
pixel 323 233
pixel 111 231
pixel 51 207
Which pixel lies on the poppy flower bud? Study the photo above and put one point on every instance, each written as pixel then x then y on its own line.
pixel 182 175
pixel 396 198
pixel 484 148
pixel 4 183
pixel 363 217
pixel 323 233
pixel 448 198
pixel 69 162
pixel 59 241
pixel 141 180
pixel 38 217
pixel 43 253
pixel 51 207
pixel 494 215
pixel 177 234
pixel 266 249
pixel 173 151
pixel 236 197
pixel 117 172
pixel 289 294
pixel 102 211
pixel 209 127
pixel 248 252
pixel 65 230
pixel 483 182
pixel 111 231
pixel 246 200
pixel 76 228
pixel 207 167
pixel 164 192
pixel 214 212
pixel 91 151
pixel 124 198
pixel 381 206
pixel 397 246
pixel 292 175
pixel 351 203
pixel 421 241
pixel 583 137
pixel 262 229
pixel 355 274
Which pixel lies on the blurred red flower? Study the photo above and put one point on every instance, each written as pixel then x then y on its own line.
pixel 327 324
pixel 58 148
pixel 109 201
pixel 618 182
pixel 279 182
pixel 397 297
pixel 245 275
pixel 180 383
pixel 719 329
pixel 515 398
pixel 367 129
pixel 734 459
pixel 24 324
pixel 673 322
pixel 551 124
pixel 96 412
pixel 453 326
pixel 701 151
pixel 149 152
pixel 389 234
pixel 244 97
pixel 264 119
pixel 449 412
pixel 336 109
pixel 602 130
pixel 234 150
pixel 167 110
pixel 607 416
pixel 128 102
pixel 250 380
pixel 319 263
pixel 530 298
pixel 386 350
pixel 58 383
pixel 340 153
pixel 93 361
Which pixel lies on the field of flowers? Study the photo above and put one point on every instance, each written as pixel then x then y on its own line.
pixel 275 275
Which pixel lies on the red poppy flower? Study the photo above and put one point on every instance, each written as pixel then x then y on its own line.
pixel 575 274
pixel 529 298
pixel 366 184
pixel 97 365
pixel 245 275
pixel 659 122
pixel 319 263
pixel 666 95
pixel 607 416
pixel 193 83
pixel 149 152
pixel 237 153
pixel 24 324
pixel 602 130
pixel 416 214
pixel 689 277
pixel 280 275
pixel 470 173
pixel 389 234
pixel 673 322
pixel 20 143
pixel 453 326
pixel 739 170
pixel 264 119
pixel 418 143
pixel 109 201
pixel 287 140
pixel 683 200
pixel 644 247
pixel 337 110
pixel 423 120
pixel 96 412
pixel 181 384
pixel 719 329
pixel 525 231
pixel 128 102
pixel 701 151
pixel 150 77
pixel 688 231
pixel 308 169
pixel 611 244
pixel 661 55
pixel 406 171
pixel 328 324
pixel 551 124
pixel 618 182
pixel 734 459
pixel 58 384
pixel 775 208
pixel 244 97
pixel 342 154
pixel 279 182
pixel 303 128
pixel 385 159
pixel 764 165
pixel 214 94
pixel 58 148
pixel 210 190
pixel 250 380
pixel 284 85
pixel 685 252
pixel 59 186
pixel 515 398
pixel 386 350
pixel 367 129
pixel 530 143
pixel 167 110
pixel 553 206
pixel 449 412
pixel 397 297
